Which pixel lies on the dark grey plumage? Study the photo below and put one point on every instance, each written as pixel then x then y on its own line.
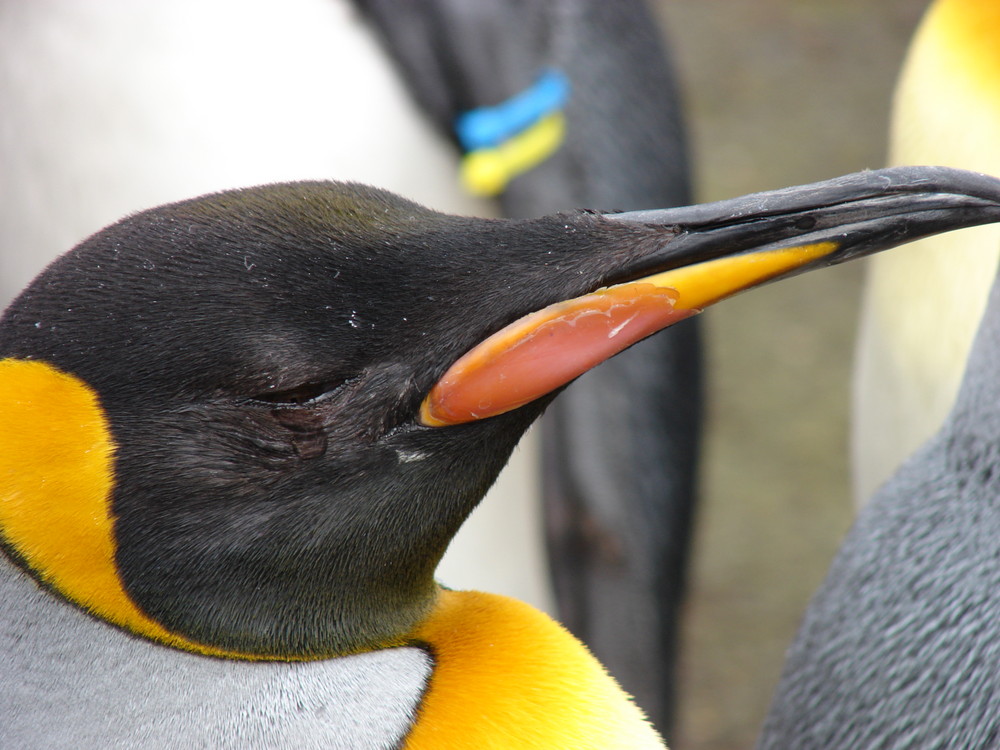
pixel 900 648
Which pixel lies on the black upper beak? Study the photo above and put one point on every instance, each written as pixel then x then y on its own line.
pixel 862 213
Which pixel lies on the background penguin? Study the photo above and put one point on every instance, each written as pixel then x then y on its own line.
pixel 270 432
pixel 899 646
pixel 947 111
pixel 89 114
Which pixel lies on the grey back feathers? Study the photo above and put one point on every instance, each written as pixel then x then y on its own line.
pixel 83 684
pixel 901 645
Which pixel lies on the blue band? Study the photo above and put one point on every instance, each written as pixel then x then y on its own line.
pixel 490 126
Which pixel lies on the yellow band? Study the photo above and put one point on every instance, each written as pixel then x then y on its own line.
pixel 487 171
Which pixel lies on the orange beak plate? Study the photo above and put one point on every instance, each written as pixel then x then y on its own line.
pixel 547 349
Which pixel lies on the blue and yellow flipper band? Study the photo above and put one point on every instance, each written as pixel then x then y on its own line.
pixel 487 171
pixel 514 136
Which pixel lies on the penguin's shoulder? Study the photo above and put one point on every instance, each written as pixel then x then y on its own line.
pixel 74 681
pixel 507 675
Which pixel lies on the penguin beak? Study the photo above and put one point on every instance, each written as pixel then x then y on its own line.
pixel 684 259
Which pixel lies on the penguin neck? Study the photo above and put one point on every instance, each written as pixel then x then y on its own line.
pixel 338 560
pixel 358 577
pixel 301 593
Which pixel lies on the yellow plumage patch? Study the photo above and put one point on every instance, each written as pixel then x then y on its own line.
pixel 56 478
pixel 508 676
pixel 56 462
pixel 967 32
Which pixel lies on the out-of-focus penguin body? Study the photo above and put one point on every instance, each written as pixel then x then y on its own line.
pixel 898 649
pixel 921 309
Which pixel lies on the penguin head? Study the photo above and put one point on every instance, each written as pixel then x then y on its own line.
pixel 231 423
pixel 259 357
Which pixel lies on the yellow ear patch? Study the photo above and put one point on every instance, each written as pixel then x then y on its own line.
pixel 508 676
pixel 56 464
pixel 56 479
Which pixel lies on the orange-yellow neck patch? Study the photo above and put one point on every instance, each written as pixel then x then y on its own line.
pixel 56 479
pixel 964 35
pixel 508 676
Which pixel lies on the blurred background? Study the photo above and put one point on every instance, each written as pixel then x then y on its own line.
pixel 777 92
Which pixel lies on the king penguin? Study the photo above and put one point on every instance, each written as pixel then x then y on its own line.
pixel 89 137
pixel 946 111
pixel 239 431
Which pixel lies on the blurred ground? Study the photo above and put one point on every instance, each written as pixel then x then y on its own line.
pixel 779 92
